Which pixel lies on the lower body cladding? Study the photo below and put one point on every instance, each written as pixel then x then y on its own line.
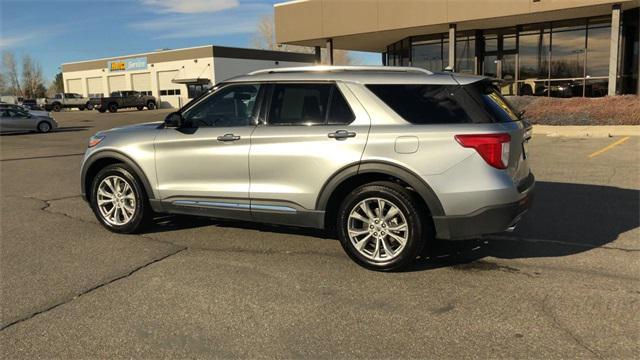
pixel 488 220
pixel 274 213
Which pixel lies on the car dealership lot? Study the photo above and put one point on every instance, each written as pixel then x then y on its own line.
pixel 565 284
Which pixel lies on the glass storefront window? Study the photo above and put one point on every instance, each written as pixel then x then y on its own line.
pixel 567 58
pixel 596 88
pixel 405 53
pixel 430 54
pixel 508 74
pixel 534 54
pixel 565 88
pixel 509 42
pixel 598 38
pixel 490 66
pixel 568 51
pixel 533 87
pixel 466 52
pixel 490 42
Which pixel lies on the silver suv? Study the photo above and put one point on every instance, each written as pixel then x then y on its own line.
pixel 387 158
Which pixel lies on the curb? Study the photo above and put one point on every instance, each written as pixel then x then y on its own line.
pixel 587 131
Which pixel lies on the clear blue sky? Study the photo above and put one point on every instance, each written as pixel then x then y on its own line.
pixel 58 31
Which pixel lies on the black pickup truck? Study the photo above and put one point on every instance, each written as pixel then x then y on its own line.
pixel 123 100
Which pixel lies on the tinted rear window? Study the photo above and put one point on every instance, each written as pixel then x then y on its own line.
pixel 492 101
pixel 445 104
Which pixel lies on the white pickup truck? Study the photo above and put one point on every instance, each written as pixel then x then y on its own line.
pixel 67 100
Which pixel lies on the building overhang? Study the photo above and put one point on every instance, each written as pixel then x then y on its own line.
pixel 371 25
pixel 192 81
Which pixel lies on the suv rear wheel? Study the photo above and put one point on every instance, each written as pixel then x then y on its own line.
pixel 118 199
pixel 381 227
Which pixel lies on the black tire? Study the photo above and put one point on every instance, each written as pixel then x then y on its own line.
pixel 142 214
pixel 89 106
pixel 113 107
pixel 140 107
pixel 81 108
pixel 44 127
pixel 413 212
pixel 102 110
pixel 151 105
pixel 56 107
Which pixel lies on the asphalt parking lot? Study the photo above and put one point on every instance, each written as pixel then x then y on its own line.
pixel 565 284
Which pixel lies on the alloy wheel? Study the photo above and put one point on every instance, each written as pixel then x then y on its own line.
pixel 116 200
pixel 378 229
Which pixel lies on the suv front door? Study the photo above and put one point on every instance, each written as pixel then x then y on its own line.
pixel 203 166
pixel 310 131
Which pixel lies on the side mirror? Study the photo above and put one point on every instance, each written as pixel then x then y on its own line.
pixel 173 120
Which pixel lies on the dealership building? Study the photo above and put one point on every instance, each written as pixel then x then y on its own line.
pixel 173 76
pixel 536 47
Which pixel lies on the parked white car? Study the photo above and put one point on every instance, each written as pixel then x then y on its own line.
pixel 67 100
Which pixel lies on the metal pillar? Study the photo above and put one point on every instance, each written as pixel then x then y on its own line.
pixel 452 47
pixel 613 49
pixel 329 59
pixel 318 55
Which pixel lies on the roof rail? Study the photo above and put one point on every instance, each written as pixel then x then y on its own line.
pixel 327 68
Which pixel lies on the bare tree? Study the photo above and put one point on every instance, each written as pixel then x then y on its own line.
pixel 265 38
pixel 57 86
pixel 3 84
pixel 10 73
pixel 32 81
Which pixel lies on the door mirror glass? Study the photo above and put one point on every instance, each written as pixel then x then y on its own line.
pixel 173 120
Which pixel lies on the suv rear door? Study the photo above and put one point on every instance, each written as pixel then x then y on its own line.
pixel 309 132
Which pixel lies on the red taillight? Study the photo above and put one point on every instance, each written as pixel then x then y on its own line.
pixel 494 148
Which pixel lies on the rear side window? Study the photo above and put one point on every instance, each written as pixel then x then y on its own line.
pixel 489 97
pixel 445 104
pixel 308 104
pixel 299 104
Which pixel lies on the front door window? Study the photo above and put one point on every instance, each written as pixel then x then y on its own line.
pixel 230 107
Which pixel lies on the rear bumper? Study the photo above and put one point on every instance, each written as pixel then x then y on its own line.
pixel 488 220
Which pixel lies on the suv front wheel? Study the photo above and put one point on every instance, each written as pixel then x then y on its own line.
pixel 381 226
pixel 118 199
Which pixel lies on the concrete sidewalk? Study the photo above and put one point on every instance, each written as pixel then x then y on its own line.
pixel 587 131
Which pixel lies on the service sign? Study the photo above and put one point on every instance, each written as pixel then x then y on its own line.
pixel 139 63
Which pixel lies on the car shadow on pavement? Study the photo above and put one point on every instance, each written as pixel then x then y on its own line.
pixel 183 222
pixel 565 219
pixel 60 129
pixel 72 128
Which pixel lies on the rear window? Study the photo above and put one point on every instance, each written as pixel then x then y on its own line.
pixel 493 102
pixel 446 104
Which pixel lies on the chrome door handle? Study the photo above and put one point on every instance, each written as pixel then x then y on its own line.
pixel 341 134
pixel 228 137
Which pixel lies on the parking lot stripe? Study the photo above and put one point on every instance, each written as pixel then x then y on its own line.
pixel 609 147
